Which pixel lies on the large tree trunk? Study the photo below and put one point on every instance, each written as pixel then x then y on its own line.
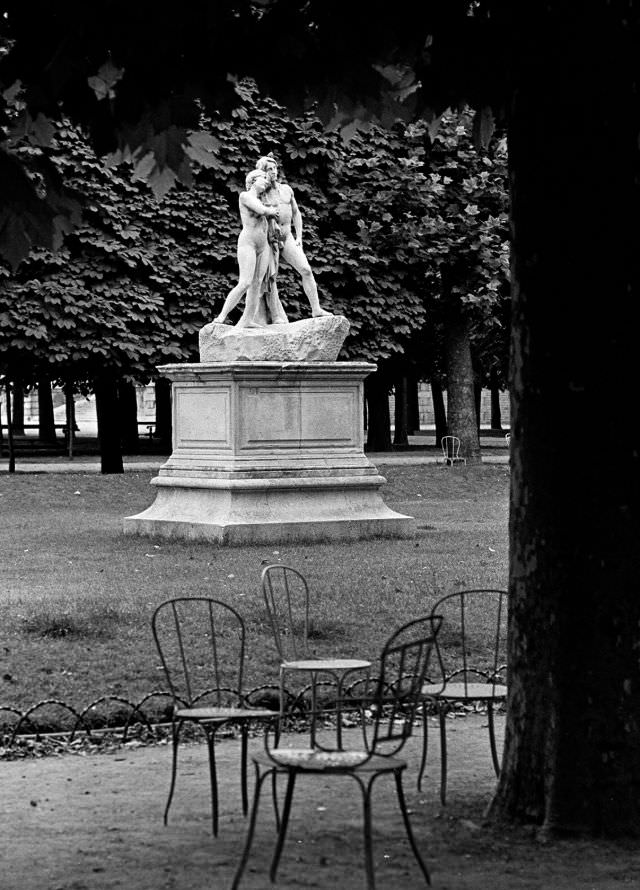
pixel 108 416
pixel 572 749
pixel 376 390
pixel 46 416
pixel 461 405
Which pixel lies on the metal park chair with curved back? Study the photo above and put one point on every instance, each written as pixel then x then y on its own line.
pixel 286 596
pixel 201 643
pixel 451 451
pixel 386 708
pixel 471 652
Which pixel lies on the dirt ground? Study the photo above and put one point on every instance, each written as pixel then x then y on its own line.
pixel 91 822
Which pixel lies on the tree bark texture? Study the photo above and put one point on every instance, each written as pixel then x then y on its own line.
pixel 376 389
pixel 461 405
pixel 46 416
pixel 572 748
pixel 108 416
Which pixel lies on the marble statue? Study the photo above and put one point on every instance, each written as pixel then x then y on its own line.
pixel 290 224
pixel 257 254
pixel 271 231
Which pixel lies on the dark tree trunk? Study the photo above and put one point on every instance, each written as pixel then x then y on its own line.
pixel 108 414
pixel 46 417
pixel 572 748
pixel 376 388
pixel 128 401
pixel 494 393
pixel 413 405
pixel 10 443
pixel 461 407
pixel 70 417
pixel 477 398
pixel 400 412
pixel 17 409
pixel 439 411
pixel 163 414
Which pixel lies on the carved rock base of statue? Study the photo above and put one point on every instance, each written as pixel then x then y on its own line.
pixel 268 452
pixel 310 340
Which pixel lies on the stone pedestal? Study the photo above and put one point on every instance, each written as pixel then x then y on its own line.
pixel 268 452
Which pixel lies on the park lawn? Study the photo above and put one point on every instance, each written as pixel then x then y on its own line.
pixel 77 595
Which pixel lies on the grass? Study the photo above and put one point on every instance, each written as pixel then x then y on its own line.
pixel 77 595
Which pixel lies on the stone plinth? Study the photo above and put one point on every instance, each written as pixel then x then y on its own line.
pixel 268 452
pixel 309 340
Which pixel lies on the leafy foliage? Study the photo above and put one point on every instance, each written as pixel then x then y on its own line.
pixel 137 79
pixel 139 277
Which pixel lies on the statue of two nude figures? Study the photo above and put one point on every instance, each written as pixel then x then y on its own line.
pixel 271 230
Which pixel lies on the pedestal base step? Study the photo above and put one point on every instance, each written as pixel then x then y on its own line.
pixel 268 514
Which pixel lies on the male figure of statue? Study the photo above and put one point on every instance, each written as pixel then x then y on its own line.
pixel 290 220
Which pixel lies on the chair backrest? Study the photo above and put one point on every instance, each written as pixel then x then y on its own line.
pixel 404 666
pixel 201 643
pixel 450 447
pixel 286 597
pixel 472 644
pixel 386 704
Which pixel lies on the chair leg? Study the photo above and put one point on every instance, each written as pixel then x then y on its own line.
pixel 442 713
pixel 175 738
pixel 274 796
pixel 492 739
pixel 425 746
pixel 407 824
pixel 252 827
pixel 244 734
pixel 368 841
pixel 213 779
pixel 284 822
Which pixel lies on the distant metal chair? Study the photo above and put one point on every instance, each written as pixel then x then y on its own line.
pixel 390 702
pixel 286 596
pixel 451 450
pixel 471 651
pixel 201 642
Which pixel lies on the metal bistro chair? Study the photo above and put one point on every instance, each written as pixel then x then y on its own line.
pixel 387 710
pixel 451 451
pixel 286 596
pixel 472 669
pixel 201 642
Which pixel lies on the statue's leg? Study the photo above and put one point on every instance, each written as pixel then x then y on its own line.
pixel 247 261
pixel 250 317
pixel 294 255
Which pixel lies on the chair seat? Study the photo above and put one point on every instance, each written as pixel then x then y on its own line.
pixel 313 760
pixel 470 692
pixel 326 664
pixel 213 713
